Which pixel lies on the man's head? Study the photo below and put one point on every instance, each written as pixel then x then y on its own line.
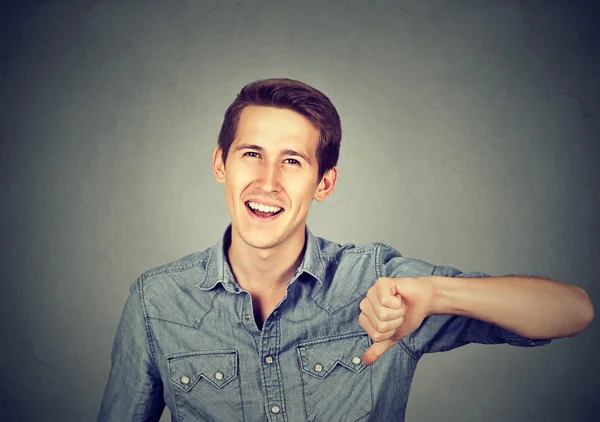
pixel 291 95
pixel 278 146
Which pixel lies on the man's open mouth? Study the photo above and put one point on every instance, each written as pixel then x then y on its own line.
pixel 263 211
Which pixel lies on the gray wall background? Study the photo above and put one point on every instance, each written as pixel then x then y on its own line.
pixel 471 139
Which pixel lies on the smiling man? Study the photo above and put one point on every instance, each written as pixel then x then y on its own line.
pixel 274 323
pixel 271 177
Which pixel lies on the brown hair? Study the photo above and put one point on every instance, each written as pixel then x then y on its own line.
pixel 292 95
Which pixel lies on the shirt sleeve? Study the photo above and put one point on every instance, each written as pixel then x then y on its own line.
pixel 134 391
pixel 438 333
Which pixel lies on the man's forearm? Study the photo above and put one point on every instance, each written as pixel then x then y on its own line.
pixel 531 307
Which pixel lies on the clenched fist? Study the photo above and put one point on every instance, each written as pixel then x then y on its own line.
pixel 393 308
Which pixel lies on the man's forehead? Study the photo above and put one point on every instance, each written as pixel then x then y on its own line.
pixel 276 129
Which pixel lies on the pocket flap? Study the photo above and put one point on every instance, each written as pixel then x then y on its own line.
pixel 217 367
pixel 319 357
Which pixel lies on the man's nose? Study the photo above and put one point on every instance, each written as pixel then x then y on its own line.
pixel 270 178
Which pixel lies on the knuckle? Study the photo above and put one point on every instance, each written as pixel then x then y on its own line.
pixel 361 305
pixel 377 337
pixel 370 293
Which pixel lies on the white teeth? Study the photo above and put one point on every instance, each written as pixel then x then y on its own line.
pixel 263 208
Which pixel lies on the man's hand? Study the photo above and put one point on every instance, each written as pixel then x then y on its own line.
pixel 393 308
pixel 532 307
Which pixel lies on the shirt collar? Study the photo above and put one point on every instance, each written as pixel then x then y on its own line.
pixel 312 262
pixel 219 271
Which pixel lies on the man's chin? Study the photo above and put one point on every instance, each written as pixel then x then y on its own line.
pixel 257 238
pixel 261 242
pixel 264 237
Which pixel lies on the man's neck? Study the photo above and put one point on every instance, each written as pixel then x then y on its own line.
pixel 265 271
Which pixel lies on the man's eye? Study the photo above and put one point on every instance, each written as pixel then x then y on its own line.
pixel 293 161
pixel 251 154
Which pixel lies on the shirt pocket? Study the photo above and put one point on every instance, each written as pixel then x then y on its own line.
pixel 336 384
pixel 206 385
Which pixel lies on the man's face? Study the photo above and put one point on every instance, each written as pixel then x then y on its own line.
pixel 271 176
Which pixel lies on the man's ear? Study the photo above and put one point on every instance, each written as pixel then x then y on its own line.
pixel 219 165
pixel 326 184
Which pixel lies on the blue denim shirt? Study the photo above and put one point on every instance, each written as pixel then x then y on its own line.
pixel 187 339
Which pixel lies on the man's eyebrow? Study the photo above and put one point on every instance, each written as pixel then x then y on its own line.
pixel 296 154
pixel 248 146
pixel 287 151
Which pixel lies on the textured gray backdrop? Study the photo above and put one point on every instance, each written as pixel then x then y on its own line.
pixel 471 139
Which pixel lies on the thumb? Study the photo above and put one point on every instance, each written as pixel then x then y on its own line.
pixel 376 351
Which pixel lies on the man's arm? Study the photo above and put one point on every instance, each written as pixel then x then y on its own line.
pixel 134 391
pixel 531 307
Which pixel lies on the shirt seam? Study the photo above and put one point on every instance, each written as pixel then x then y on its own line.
pixel 407 350
pixel 147 322
pixel 378 269
pixel 171 322
pixel 172 267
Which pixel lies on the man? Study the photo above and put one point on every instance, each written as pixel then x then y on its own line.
pixel 276 324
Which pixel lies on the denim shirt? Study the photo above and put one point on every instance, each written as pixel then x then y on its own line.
pixel 187 339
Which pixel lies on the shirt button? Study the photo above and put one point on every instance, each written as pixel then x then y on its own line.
pixel 356 360
pixel 246 317
pixel 275 409
pixel 219 376
pixel 184 380
pixel 269 360
pixel 318 367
